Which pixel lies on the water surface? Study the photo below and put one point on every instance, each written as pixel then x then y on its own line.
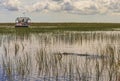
pixel 60 56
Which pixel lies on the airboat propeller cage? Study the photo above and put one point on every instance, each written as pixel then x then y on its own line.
pixel 22 22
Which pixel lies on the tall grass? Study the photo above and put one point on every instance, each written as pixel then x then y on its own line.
pixel 54 65
pixel 49 66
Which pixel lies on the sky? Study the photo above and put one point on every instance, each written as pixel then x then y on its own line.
pixel 61 10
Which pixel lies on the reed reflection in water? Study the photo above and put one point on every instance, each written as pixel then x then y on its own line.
pixel 60 56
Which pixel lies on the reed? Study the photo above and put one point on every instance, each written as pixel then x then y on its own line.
pixel 44 64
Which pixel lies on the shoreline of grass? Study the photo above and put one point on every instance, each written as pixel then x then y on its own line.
pixel 66 24
pixel 48 27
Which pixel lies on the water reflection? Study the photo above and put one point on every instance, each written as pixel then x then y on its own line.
pixel 60 56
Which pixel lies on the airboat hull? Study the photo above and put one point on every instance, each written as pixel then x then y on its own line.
pixel 21 26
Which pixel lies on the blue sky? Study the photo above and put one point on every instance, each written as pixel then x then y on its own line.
pixel 61 10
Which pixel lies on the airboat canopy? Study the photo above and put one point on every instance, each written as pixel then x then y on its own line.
pixel 22 21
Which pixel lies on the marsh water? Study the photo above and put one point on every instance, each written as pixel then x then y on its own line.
pixel 60 56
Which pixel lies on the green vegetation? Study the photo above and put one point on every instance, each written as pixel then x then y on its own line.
pixel 43 27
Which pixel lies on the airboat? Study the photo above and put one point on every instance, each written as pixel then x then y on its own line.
pixel 22 22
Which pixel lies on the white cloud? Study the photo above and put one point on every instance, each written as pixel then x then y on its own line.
pixel 43 5
pixel 54 6
pixel 70 6
pixel 12 5
pixel 36 7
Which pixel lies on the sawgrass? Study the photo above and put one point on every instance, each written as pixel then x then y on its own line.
pixel 63 67
pixel 48 27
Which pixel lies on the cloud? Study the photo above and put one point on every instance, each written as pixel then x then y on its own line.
pixel 82 7
pixel 36 7
pixel 44 5
pixel 11 5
